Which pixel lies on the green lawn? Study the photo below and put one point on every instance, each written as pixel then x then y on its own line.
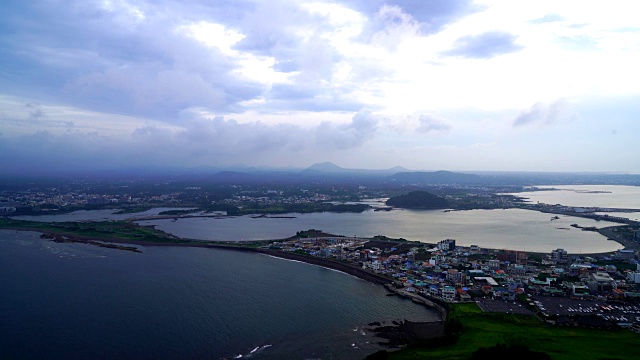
pixel 103 230
pixel 485 330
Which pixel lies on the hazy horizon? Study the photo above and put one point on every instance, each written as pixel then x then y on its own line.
pixel 458 85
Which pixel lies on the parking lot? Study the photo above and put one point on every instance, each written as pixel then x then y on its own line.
pixel 502 306
pixel 564 306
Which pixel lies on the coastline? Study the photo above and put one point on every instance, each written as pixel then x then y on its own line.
pixel 398 333
pixel 433 304
pixel 402 331
pixel 392 335
pixel 172 240
pixel 167 239
pixel 346 268
pixel 606 232
pixel 613 236
pixel 374 306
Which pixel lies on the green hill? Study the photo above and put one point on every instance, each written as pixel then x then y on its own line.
pixel 418 200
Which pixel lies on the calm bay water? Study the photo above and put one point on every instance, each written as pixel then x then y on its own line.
pixel 607 196
pixel 499 229
pixel 75 301
pixel 513 229
pixel 92 215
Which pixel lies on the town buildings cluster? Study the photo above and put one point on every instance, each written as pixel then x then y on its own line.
pixel 50 199
pixel 466 273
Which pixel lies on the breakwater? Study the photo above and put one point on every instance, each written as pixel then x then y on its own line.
pixel 590 215
pixel 436 304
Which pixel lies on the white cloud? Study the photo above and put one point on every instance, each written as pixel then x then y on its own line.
pixel 544 114
pixel 485 45
pixel 430 123
pixel 307 68
pixel 398 25
pixel 213 35
pixel 124 9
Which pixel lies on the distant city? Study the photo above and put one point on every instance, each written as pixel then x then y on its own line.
pixel 599 290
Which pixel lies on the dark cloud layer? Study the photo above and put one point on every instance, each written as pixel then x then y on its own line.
pixel 137 58
pixel 108 60
pixel 130 58
pixel 199 141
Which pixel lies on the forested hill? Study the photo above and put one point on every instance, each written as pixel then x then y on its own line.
pixel 418 200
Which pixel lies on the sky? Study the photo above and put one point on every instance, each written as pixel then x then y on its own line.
pixel 428 85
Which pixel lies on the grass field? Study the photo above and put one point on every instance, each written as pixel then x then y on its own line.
pixel 116 232
pixel 486 330
pixel 104 230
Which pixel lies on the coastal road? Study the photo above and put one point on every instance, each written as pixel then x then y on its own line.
pixel 613 235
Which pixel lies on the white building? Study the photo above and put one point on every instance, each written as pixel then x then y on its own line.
pixel 375 265
pixel 633 277
pixel 447 245
pixel 494 264
pixel 559 256
pixel 625 254
pixel 449 293
pixel 456 276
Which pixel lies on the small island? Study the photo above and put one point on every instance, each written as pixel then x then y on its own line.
pixel 418 200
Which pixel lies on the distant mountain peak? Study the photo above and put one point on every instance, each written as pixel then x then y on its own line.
pixel 326 167
pixel 398 169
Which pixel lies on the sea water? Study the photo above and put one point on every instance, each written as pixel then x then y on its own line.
pixel 77 301
pixel 604 196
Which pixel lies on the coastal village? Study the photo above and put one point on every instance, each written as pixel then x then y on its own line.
pixel 599 291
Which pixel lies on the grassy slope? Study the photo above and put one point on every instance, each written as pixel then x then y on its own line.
pixel 106 230
pixel 485 330
pixel 116 231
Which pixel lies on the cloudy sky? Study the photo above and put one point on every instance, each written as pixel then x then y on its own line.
pixel 425 84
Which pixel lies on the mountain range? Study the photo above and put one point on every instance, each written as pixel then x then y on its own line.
pixel 330 173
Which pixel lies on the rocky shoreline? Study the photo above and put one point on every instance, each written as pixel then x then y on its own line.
pixel 400 333
pixel 397 333
pixel 331 264
pixel 64 239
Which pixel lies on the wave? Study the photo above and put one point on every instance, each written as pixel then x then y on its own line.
pixel 68 251
pixel 255 350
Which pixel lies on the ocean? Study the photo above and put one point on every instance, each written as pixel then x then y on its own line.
pixel 77 301
pixel 604 196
